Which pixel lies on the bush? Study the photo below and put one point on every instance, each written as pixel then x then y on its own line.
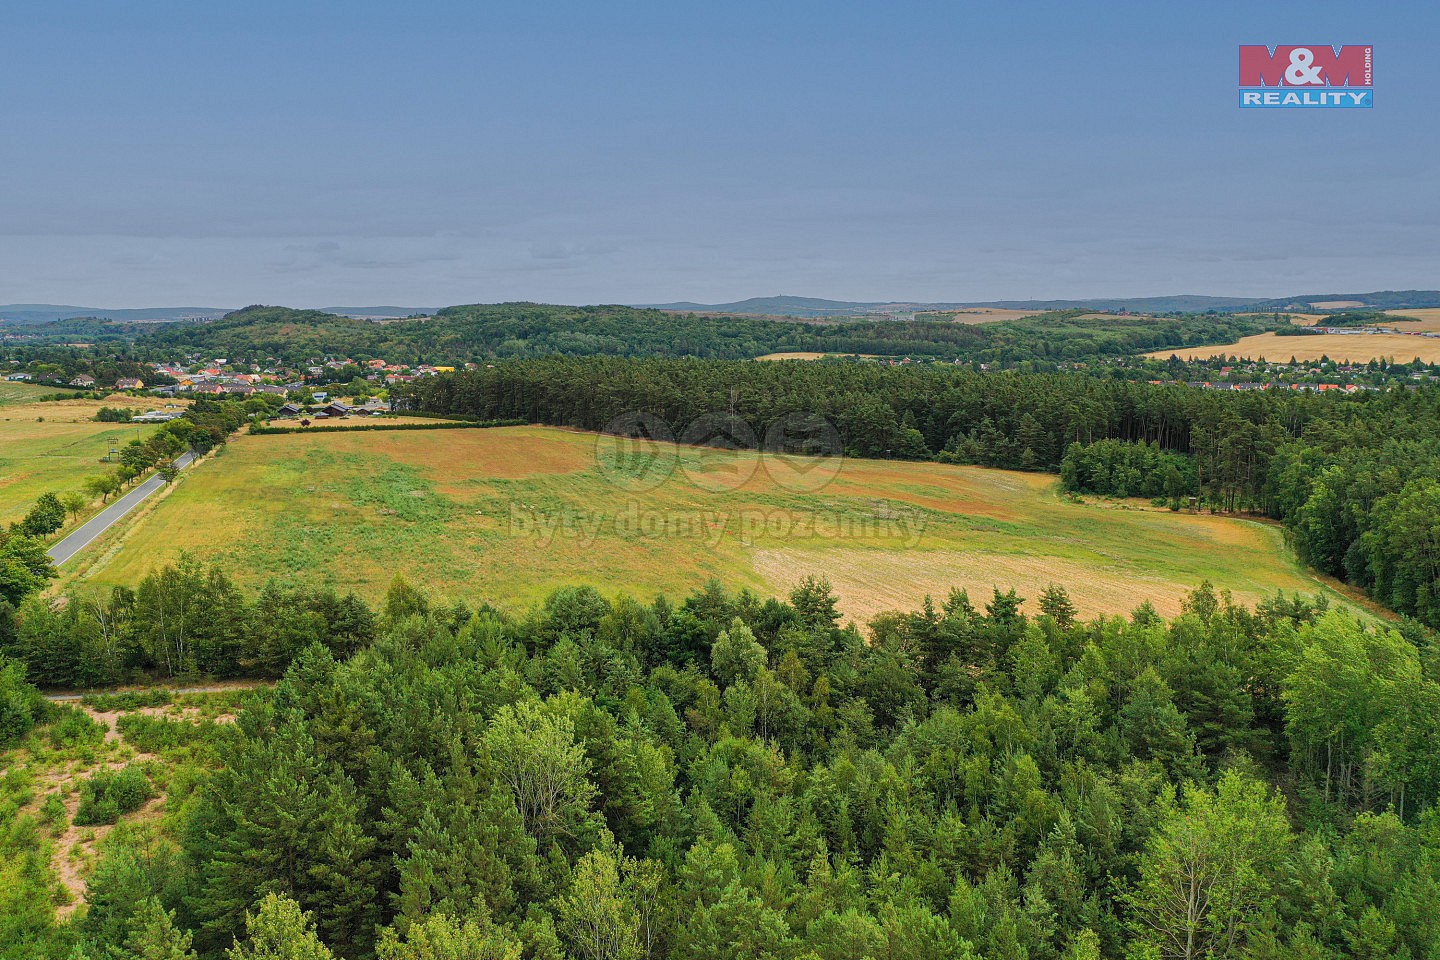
pixel 107 795
pixel 52 814
pixel 72 728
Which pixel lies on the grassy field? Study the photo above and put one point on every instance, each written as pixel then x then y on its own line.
pixel 18 394
pixel 54 445
pixel 508 514
pixel 1341 347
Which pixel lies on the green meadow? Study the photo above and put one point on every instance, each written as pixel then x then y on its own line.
pixel 506 515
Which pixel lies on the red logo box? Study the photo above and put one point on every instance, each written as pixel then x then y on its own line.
pixel 1308 65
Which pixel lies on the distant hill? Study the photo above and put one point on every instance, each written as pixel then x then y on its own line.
pixel 1188 303
pixel 514 330
pixel 814 307
pixel 804 307
pixel 26 313
pixel 1379 300
pixel 50 312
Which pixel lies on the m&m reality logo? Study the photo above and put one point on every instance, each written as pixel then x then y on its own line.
pixel 1314 75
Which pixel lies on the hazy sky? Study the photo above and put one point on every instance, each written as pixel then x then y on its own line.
pixel 310 152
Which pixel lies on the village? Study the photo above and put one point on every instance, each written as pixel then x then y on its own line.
pixel 314 391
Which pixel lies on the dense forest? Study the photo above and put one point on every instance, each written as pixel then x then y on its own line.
pixel 1353 478
pixel 519 330
pixel 730 777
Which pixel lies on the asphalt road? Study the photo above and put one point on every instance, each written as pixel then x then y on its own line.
pixel 80 538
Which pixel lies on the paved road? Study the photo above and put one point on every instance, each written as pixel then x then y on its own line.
pixel 80 538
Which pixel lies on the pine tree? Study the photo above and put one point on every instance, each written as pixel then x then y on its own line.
pixel 155 936
pixel 275 820
pixel 1055 603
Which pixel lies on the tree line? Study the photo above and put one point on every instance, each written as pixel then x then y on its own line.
pixel 731 777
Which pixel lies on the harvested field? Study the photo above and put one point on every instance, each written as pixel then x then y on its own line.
pixel 1342 347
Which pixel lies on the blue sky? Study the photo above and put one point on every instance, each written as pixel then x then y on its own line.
pixel 323 153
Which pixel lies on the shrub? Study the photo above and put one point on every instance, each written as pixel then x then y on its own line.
pixel 72 728
pixel 105 796
pixel 52 813
pixel 155 734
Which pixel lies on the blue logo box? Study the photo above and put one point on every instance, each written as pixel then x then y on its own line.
pixel 1319 98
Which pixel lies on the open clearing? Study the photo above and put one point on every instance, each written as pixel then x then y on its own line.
pixel 1342 347
pixel 52 446
pixel 508 514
